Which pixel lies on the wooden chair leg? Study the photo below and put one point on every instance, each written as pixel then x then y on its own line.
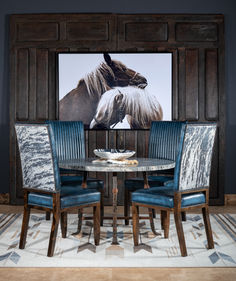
pixel 206 218
pixel 180 232
pixel 127 206
pixel 48 216
pixel 183 215
pixel 80 219
pixel 153 213
pixel 102 207
pixel 55 222
pixel 162 218
pixel 165 217
pixel 63 224
pixel 150 212
pixel 135 215
pixel 96 224
pixel 24 227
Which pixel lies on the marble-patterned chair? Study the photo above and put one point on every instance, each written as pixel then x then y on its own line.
pixel 163 143
pixel 70 144
pixel 42 187
pixel 189 189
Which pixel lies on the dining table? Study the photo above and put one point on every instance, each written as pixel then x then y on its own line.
pixel 143 165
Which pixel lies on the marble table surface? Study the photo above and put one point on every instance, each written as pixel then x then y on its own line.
pixel 144 165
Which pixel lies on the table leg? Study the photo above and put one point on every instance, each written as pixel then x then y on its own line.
pixel 145 178
pixel 114 203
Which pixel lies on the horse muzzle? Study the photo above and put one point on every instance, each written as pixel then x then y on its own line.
pixel 142 86
pixel 96 125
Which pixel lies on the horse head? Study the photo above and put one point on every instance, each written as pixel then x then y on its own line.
pixel 109 111
pixel 123 76
pixel 139 106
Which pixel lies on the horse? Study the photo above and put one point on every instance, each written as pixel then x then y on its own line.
pixel 137 105
pixel 81 102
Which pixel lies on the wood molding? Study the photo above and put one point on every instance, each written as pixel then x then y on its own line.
pixel 230 199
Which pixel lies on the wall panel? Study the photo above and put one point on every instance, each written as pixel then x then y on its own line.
pixel 211 79
pixel 191 90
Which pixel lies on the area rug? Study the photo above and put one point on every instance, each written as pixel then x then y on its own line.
pixel 78 250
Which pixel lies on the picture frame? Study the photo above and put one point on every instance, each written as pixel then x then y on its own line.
pixel 115 90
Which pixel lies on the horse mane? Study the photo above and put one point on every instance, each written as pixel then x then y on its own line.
pixel 96 81
pixel 139 103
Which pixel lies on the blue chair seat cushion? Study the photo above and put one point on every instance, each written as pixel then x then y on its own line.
pixel 164 196
pixel 92 183
pixel 70 196
pixel 137 183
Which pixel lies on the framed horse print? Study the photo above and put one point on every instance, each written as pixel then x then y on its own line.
pixel 115 90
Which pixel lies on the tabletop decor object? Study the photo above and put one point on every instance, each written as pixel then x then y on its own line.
pixel 114 154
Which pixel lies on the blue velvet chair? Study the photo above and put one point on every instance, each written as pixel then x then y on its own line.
pixel 70 144
pixel 189 189
pixel 163 143
pixel 42 187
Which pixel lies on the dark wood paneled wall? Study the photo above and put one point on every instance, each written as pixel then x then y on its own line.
pixel 197 45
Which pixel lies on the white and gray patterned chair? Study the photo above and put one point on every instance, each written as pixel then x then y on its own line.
pixel 42 187
pixel 189 189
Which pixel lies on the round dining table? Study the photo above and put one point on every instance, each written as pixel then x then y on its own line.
pixel 144 165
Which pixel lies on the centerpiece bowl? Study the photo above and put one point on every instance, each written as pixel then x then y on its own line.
pixel 113 154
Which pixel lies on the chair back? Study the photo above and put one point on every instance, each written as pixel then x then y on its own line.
pixel 38 157
pixel 193 165
pixel 164 139
pixel 69 139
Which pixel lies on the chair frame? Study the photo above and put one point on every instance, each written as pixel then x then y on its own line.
pixel 127 193
pixel 177 209
pixel 58 215
pixel 84 185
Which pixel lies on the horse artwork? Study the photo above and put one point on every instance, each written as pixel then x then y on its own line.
pixel 81 102
pixel 136 105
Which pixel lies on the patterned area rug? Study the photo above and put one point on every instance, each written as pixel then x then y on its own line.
pixel 79 250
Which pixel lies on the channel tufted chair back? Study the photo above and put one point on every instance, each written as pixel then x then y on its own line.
pixel 163 143
pixel 70 144
pixel 164 139
pixel 69 139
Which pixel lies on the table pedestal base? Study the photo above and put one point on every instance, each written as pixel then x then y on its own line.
pixel 114 204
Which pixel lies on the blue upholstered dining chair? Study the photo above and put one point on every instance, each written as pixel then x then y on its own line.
pixel 41 183
pixel 70 144
pixel 189 189
pixel 163 143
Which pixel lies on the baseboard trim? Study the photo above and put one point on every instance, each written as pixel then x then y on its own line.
pixel 4 198
pixel 230 199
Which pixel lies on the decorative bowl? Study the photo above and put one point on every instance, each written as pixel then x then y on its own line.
pixel 115 154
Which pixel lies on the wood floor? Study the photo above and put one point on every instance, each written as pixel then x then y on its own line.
pixel 119 274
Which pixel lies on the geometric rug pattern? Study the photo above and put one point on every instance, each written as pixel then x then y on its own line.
pixel 78 250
